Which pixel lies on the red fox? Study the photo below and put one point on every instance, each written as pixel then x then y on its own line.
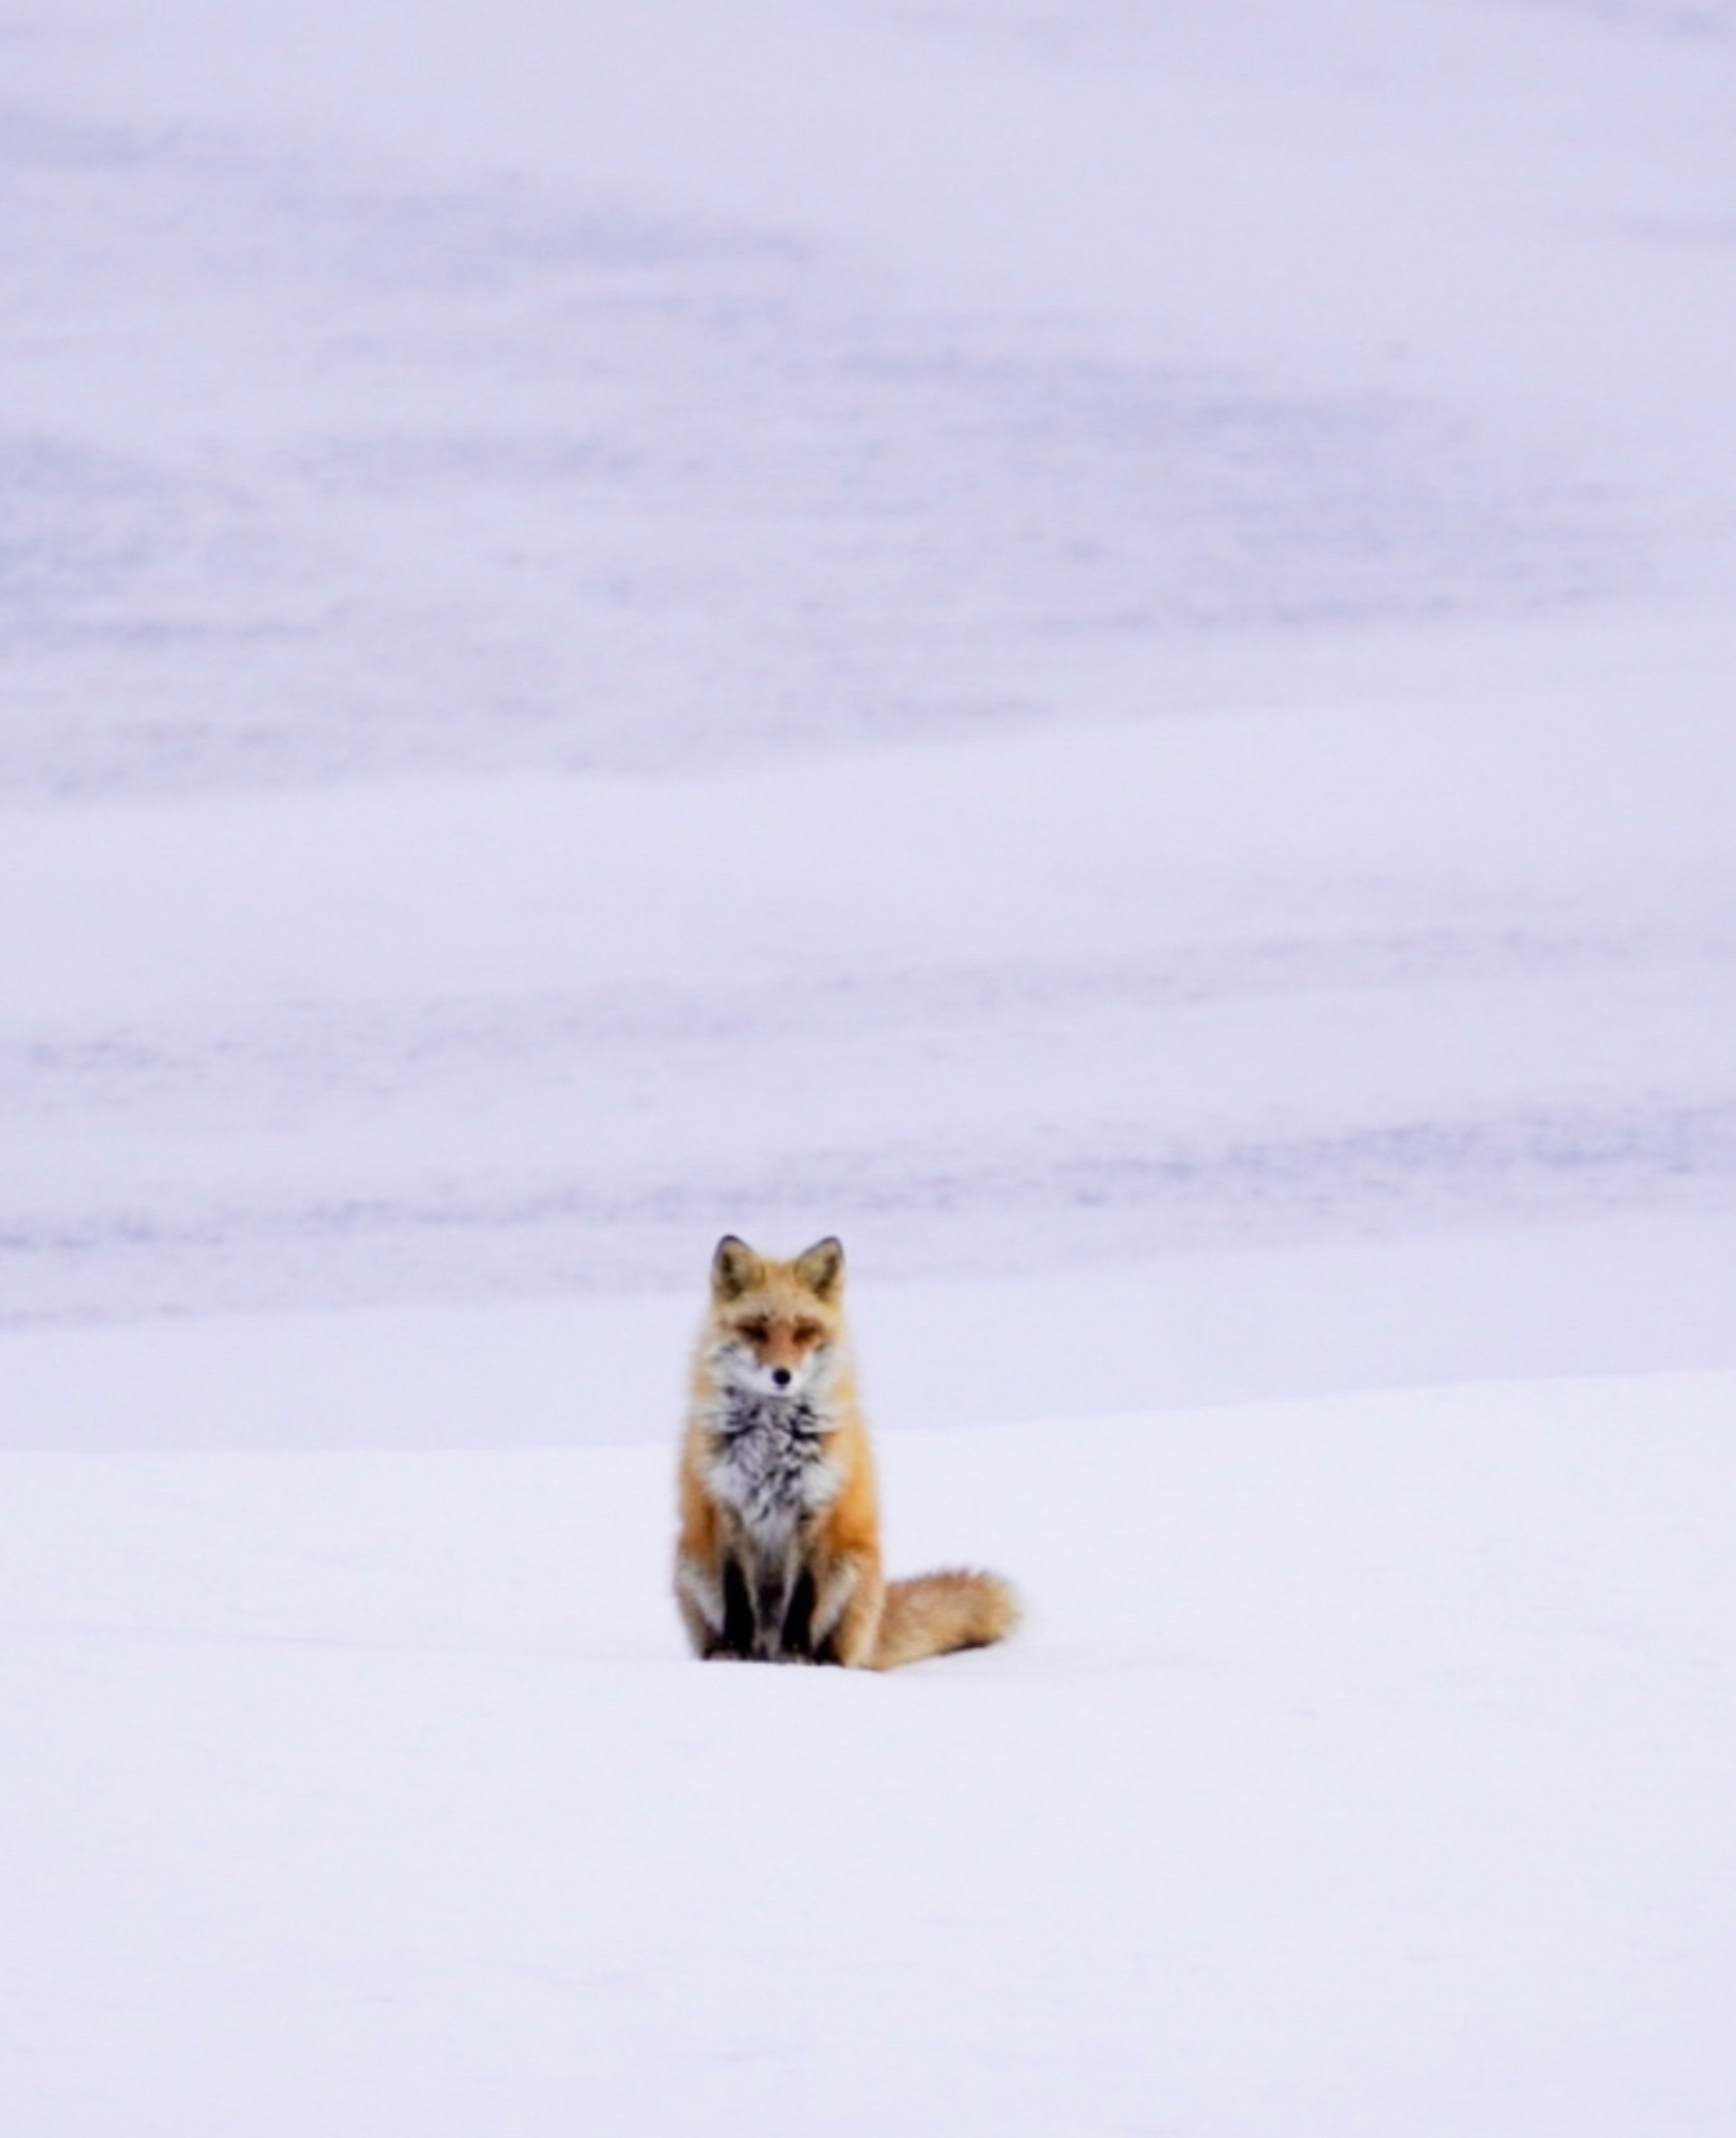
pixel 779 1554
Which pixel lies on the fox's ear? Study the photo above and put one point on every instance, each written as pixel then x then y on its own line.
pixel 734 1267
pixel 821 1268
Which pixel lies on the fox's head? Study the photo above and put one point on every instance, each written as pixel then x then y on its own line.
pixel 776 1328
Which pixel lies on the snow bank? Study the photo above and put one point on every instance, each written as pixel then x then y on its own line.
pixel 1364 1767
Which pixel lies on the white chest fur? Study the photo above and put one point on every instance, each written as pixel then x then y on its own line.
pixel 770 1464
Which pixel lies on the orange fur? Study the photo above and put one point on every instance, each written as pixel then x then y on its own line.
pixel 778 1555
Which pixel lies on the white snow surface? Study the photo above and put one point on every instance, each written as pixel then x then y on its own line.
pixel 1364 1767
pixel 1092 643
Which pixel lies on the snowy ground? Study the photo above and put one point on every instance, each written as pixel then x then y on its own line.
pixel 1365 1769
pixel 1092 643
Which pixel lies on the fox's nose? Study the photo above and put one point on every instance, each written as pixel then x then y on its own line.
pixel 781 1374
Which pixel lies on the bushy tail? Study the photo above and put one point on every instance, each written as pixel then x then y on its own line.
pixel 937 1612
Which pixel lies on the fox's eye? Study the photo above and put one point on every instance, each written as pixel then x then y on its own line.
pixel 808 1332
pixel 753 1332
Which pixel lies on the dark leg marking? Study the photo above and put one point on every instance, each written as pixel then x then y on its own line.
pixel 737 1637
pixel 799 1618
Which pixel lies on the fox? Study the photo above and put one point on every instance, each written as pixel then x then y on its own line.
pixel 778 1554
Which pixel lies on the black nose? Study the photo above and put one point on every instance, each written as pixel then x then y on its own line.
pixel 781 1374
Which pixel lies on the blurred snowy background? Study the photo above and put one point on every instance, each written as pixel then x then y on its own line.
pixel 1092 644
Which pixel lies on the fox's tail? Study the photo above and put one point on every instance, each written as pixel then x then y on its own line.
pixel 937 1612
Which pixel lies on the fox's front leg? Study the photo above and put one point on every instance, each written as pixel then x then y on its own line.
pixel 716 1606
pixel 847 1612
pixel 710 1589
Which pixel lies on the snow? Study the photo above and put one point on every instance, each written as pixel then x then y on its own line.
pixel 1041 638
pixel 1101 989
pixel 1090 644
pixel 1364 1766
